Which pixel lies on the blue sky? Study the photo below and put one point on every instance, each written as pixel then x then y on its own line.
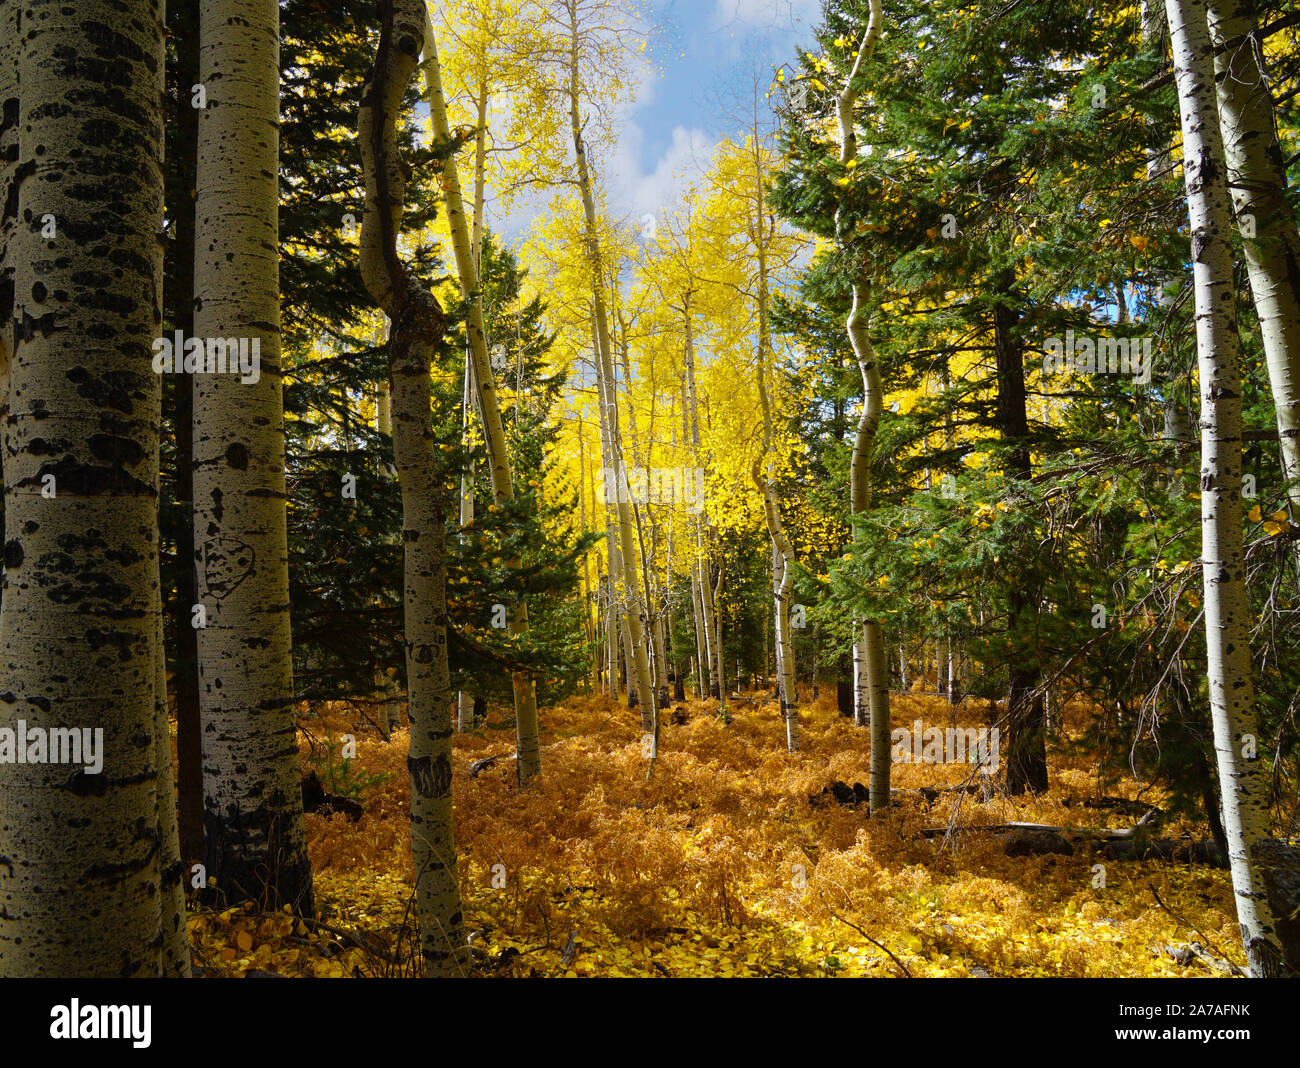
pixel 701 53
pixel 705 47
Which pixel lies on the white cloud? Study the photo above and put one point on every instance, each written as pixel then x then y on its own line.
pixel 765 14
pixel 637 192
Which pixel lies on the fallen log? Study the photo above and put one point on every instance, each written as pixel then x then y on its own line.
pixel 1124 843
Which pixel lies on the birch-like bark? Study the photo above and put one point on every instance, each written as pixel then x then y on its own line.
pixel 782 567
pixel 870 672
pixel 1177 421
pixel 417 325
pixel 525 692
pixel 9 23
pixel 712 654
pixel 1242 779
pixel 1270 238
pixel 634 614
pixel 87 885
pixel 387 689
pixel 620 343
pixel 254 844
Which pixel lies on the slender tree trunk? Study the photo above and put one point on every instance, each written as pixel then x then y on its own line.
pixel 1177 422
pixel 417 324
pixel 465 699
pixel 1270 238
pixel 869 653
pixel 255 846
pixel 88 885
pixel 1242 779
pixel 588 626
pixel 525 692
pixel 386 687
pixel 1026 741
pixel 712 674
pixel 634 616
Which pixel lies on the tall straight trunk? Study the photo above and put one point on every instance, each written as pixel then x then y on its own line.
pixel 387 689
pixel 1242 778
pixel 710 679
pixel 255 846
pixel 465 699
pixel 417 324
pixel 782 583
pixel 588 626
pixel 717 635
pixel 1271 239
pixel 9 30
pixel 634 615
pixel 658 664
pixel 1026 741
pixel 869 652
pixel 701 634
pixel 1177 422
pixel 525 691
pixel 87 888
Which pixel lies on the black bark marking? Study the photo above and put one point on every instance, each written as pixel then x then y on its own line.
pixel 430 777
pixel 226 563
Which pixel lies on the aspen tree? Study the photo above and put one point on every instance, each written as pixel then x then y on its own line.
pixel 387 689
pixel 89 889
pixel 871 676
pixel 1242 780
pixel 634 614
pixel 254 844
pixel 525 694
pixel 417 325
pixel 1270 237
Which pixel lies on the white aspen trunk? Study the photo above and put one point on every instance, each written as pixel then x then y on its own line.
pixel 480 169
pixel 871 656
pixel 701 639
pixel 9 19
pixel 90 871
pixel 588 626
pixel 717 638
pixel 386 687
pixel 1177 421
pixel 658 661
pixel 255 846
pixel 529 761
pixel 464 699
pixel 1270 238
pixel 712 653
pixel 783 559
pixel 417 321
pixel 634 615
pixel 1242 779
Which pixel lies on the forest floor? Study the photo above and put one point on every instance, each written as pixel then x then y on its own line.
pixel 729 862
